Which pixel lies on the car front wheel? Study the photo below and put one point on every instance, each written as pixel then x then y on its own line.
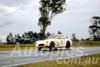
pixel 52 47
pixel 39 48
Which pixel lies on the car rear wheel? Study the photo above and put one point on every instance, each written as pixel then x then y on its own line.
pixel 68 45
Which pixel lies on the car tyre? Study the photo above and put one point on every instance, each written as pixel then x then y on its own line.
pixel 52 47
pixel 39 48
pixel 68 45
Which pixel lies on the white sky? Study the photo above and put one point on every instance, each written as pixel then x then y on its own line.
pixel 19 16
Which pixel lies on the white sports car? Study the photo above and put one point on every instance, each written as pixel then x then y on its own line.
pixel 53 42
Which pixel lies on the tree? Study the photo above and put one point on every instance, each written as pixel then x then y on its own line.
pixel 74 38
pixel 48 9
pixel 17 38
pixel 10 39
pixel 1 40
pixel 59 32
pixel 26 38
pixel 95 27
pixel 48 34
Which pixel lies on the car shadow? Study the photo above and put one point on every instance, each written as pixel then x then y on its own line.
pixel 45 50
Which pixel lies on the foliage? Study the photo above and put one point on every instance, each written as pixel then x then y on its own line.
pixel 48 34
pixel 10 39
pixel 95 27
pixel 59 32
pixel 48 9
pixel 26 38
pixel 74 38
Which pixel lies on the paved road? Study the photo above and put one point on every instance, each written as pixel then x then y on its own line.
pixel 15 58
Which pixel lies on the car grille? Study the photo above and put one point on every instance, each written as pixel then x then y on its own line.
pixel 41 44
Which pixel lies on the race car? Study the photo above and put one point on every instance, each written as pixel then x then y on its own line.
pixel 53 42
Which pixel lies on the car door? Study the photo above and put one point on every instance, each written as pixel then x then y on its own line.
pixel 62 41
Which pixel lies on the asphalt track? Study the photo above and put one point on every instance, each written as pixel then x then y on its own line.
pixel 21 57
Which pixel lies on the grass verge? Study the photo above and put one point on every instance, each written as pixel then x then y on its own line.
pixel 85 61
pixel 86 44
pixel 5 47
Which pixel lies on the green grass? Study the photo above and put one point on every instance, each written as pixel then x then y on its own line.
pixel 4 47
pixel 70 64
pixel 86 44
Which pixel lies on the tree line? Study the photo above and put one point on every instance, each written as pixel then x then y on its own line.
pixel 31 37
pixel 26 38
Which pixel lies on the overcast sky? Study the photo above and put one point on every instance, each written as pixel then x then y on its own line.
pixel 19 16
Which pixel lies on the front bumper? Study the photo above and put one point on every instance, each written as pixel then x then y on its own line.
pixel 41 45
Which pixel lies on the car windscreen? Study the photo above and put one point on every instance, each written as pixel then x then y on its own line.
pixel 55 37
pixel 52 37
